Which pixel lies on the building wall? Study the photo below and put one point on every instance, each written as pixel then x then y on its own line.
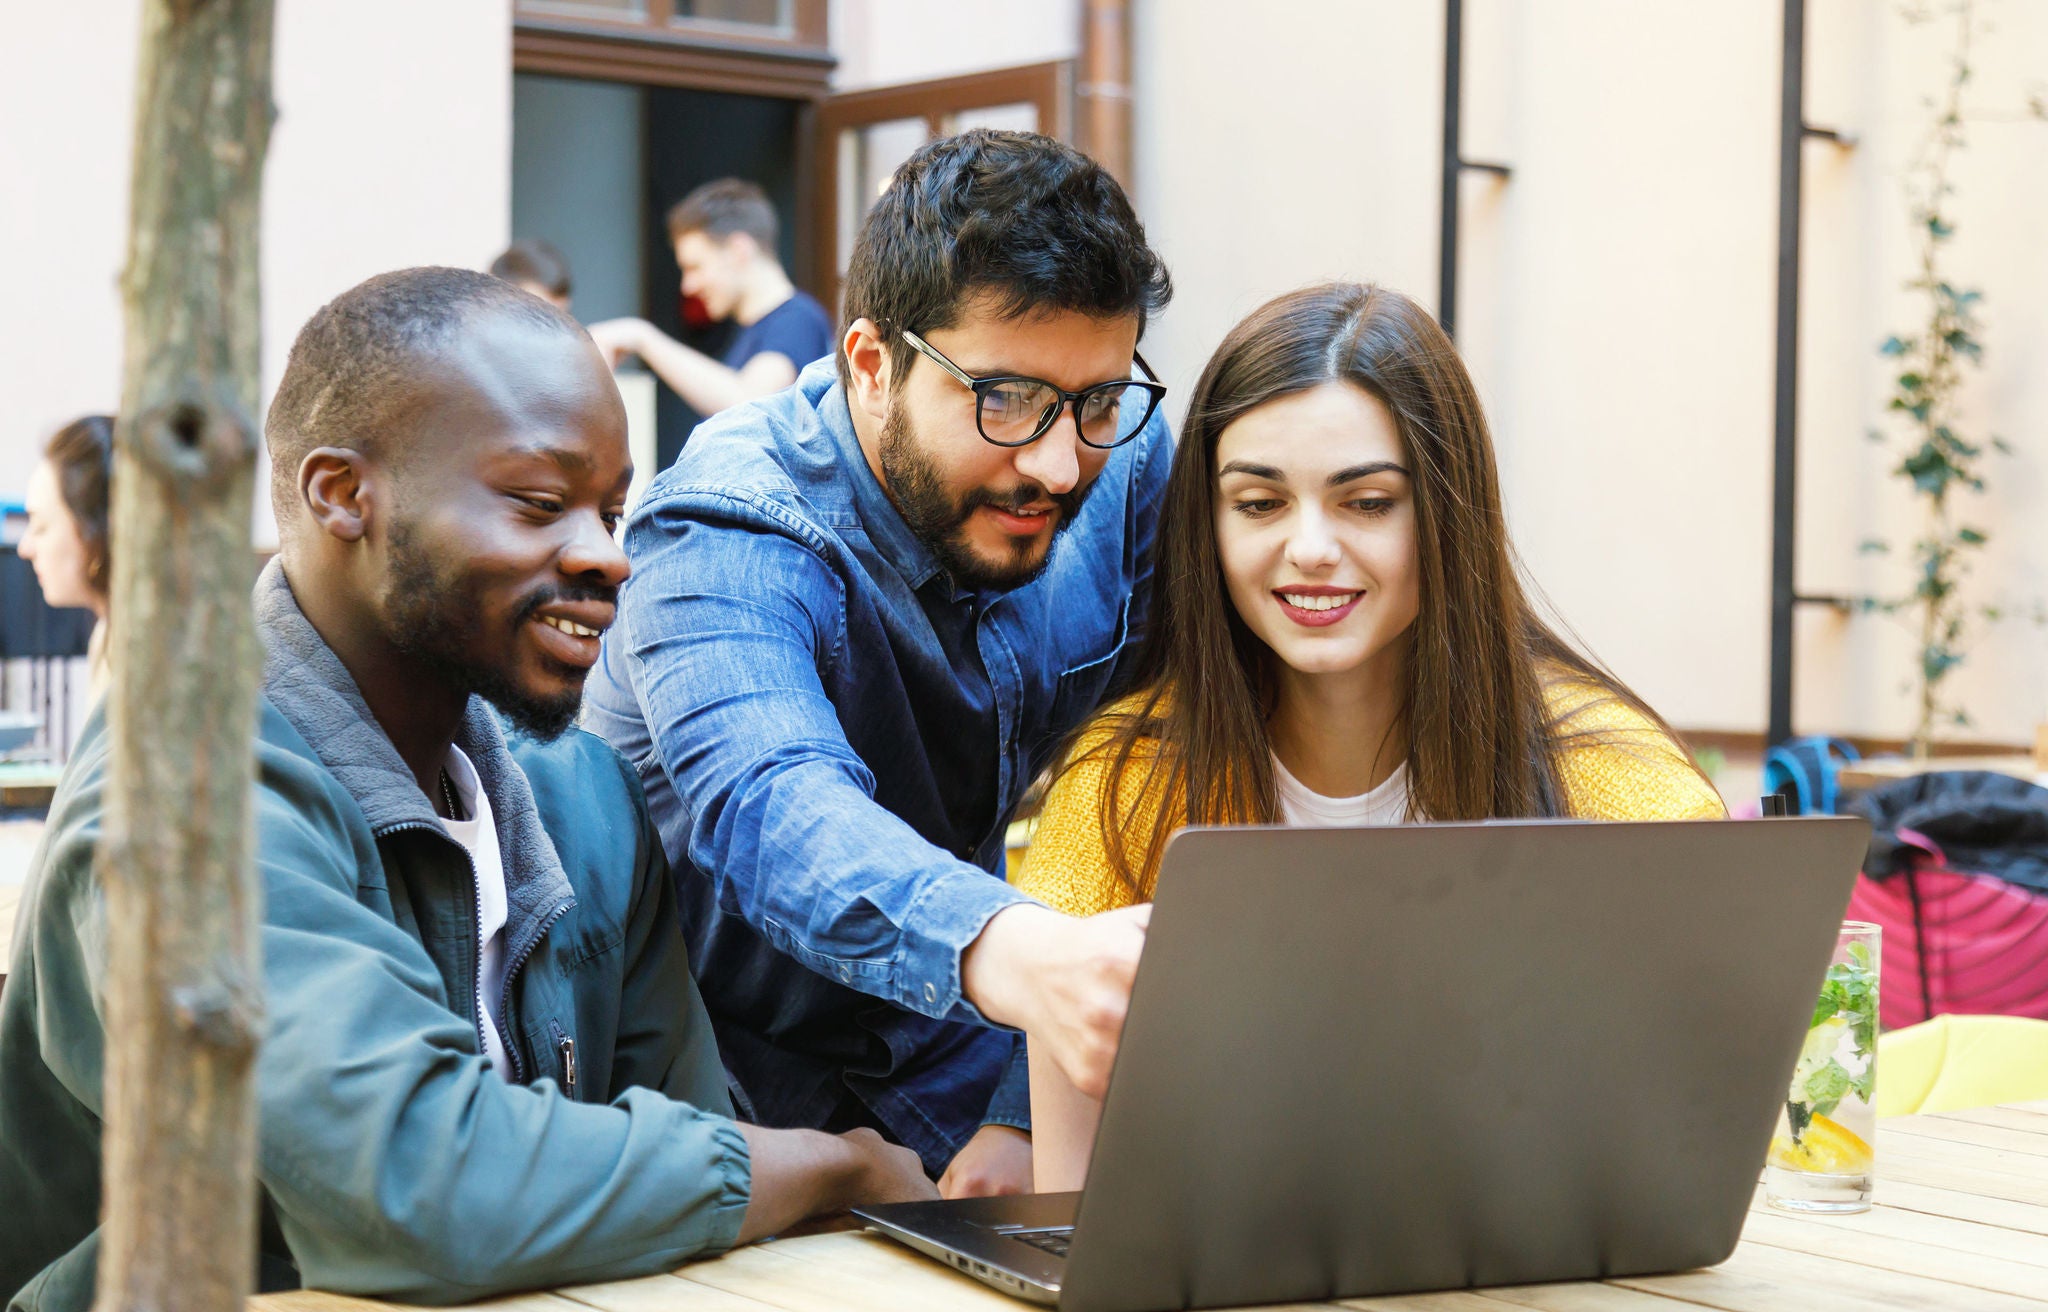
pixel 391 148
pixel 1617 297
pixel 879 42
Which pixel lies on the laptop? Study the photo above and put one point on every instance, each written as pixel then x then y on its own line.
pixel 1373 1061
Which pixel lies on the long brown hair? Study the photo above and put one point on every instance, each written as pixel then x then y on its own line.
pixel 1481 741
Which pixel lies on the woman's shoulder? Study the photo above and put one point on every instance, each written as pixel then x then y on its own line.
pixel 1068 865
pixel 1615 762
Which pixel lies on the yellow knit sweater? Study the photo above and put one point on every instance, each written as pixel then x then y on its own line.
pixel 1625 769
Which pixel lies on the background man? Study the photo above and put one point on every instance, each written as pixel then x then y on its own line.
pixel 724 234
pixel 863 612
pixel 484 1065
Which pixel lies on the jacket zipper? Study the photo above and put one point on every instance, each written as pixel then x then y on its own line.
pixel 476 900
pixel 566 1046
pixel 512 968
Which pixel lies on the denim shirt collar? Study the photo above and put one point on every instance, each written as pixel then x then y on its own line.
pixel 878 514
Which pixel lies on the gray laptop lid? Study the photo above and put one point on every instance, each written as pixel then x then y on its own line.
pixel 1426 1057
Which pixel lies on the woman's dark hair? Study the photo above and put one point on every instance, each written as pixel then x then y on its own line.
pixel 82 453
pixel 531 260
pixel 1482 743
pixel 1020 218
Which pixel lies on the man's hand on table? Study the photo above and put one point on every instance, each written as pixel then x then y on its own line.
pixel 997 1160
pixel 1063 980
pixel 798 1174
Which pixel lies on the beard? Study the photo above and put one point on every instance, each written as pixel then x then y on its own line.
pixel 435 617
pixel 940 520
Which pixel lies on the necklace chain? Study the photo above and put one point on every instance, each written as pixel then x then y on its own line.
pixel 448 797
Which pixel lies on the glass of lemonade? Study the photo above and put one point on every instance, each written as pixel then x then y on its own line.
pixel 1821 1158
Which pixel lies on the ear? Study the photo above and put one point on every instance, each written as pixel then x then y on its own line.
pixel 867 366
pixel 336 490
pixel 742 249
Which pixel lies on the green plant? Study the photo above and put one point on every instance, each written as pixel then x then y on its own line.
pixel 1938 459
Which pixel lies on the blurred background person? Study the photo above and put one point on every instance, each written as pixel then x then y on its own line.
pixel 532 265
pixel 724 235
pixel 66 539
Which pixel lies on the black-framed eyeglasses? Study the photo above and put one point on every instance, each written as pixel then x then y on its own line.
pixel 1016 410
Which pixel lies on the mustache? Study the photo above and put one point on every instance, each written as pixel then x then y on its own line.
pixel 1019 498
pixel 552 593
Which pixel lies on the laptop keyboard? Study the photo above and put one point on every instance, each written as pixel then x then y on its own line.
pixel 1055 1241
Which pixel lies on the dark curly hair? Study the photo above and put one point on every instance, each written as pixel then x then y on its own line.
pixel 1019 217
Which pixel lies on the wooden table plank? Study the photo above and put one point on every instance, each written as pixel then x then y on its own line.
pixel 1575 1297
pixel 1914 1256
pixel 2031 1142
pixel 1932 1200
pixel 2017 1118
pixel 668 1293
pixel 851 1272
pixel 2026 1243
pixel 1991 1172
pixel 1760 1278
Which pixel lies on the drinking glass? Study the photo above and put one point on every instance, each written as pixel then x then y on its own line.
pixel 1822 1158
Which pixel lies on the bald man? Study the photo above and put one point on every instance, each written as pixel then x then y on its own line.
pixel 486 1067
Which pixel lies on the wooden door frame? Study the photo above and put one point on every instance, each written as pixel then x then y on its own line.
pixel 799 69
pixel 1047 87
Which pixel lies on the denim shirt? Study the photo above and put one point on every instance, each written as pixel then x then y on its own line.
pixel 777 676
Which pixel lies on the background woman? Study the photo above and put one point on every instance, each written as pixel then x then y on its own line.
pixel 66 540
pixel 1341 637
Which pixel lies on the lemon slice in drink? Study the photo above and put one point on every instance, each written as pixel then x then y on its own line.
pixel 1828 1147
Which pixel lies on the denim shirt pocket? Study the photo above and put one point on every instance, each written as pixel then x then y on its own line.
pixel 1079 690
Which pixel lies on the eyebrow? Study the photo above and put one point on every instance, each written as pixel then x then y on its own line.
pixel 571 462
pixel 1350 474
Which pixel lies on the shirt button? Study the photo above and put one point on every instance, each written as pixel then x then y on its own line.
pixel 845 972
pixel 931 993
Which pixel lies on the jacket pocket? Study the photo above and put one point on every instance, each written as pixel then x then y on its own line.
pixel 565 1057
pixel 1079 690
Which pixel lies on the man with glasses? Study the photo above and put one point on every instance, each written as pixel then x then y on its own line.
pixel 863 614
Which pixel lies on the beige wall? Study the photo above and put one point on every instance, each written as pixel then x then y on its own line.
pixel 883 41
pixel 1617 295
pixel 392 148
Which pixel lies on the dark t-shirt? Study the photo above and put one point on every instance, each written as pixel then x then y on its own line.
pixel 798 328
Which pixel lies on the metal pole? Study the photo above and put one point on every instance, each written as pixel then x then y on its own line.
pixel 1447 247
pixel 1785 466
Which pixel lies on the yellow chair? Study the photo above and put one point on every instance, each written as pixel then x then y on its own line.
pixel 1955 1062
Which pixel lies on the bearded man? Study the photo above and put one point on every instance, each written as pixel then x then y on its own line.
pixel 484 1066
pixel 864 612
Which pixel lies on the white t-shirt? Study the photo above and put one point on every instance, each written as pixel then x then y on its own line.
pixel 1384 805
pixel 479 834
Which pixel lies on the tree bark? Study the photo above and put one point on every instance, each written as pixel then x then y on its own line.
pixel 183 992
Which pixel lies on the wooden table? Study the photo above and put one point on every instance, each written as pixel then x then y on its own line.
pixel 1961 1223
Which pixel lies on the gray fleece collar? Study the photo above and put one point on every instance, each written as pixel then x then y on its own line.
pixel 312 689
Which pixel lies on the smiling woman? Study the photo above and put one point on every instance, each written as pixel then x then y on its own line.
pixel 1346 642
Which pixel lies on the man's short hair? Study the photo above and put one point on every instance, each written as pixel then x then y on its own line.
pixel 351 375
pixel 725 207
pixel 1019 217
pixel 532 261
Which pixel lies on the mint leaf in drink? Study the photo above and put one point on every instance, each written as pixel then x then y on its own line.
pixel 1826 1088
pixel 1798 1115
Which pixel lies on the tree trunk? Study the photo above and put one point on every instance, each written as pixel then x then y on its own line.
pixel 184 981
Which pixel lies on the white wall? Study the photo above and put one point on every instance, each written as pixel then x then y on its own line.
pixel 1617 295
pixel 65 71
pixel 392 148
pixel 883 41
